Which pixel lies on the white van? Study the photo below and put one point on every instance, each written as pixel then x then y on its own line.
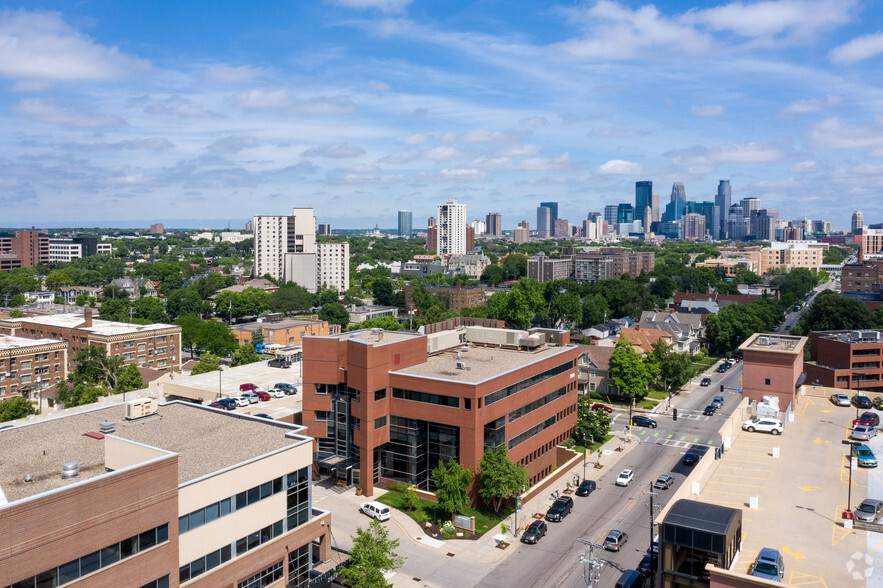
pixel 375 510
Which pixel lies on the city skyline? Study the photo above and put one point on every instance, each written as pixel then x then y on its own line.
pixel 196 117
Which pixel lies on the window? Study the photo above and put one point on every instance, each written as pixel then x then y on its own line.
pixel 414 396
pixel 264 578
pixel 767 381
pixel 526 383
pixel 299 566
pixel 380 422
pixel 533 431
pixel 379 394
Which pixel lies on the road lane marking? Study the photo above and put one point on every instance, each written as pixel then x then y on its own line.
pixel 633 502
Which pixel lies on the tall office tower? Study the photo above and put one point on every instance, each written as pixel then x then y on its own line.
pixel 553 216
pixel 678 192
pixel 595 217
pixel 643 199
pixel 750 206
pixel 736 223
pixel 249 226
pixel 625 213
pixel 654 206
pixel 524 225
pixel 521 234
pixel 323 229
pixel 479 228
pixel 648 219
pixel 766 224
pixel 470 239
pixel 553 207
pixel 610 213
pixel 451 228
pixel 858 221
pixel 544 222
pixel 693 226
pixel 722 200
pixel 494 224
pixel 405 227
pixel 674 210
pixel 820 227
pixel 710 212
pixel 285 247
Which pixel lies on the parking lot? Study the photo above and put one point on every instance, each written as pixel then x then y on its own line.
pixel 800 497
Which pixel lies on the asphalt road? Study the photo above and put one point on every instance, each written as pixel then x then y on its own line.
pixel 555 560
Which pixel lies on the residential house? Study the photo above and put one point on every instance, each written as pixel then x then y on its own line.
pixel 594 369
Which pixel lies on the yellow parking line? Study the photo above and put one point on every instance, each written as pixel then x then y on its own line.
pixel 735 484
pixel 876 548
pixel 799 575
pixel 726 503
pixel 724 492
pixel 746 477
pixel 764 453
pixel 741 469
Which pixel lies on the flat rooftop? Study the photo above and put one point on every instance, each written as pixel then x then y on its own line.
pixel 207 440
pixel 482 363
pixel 774 343
pixel 9 342
pixel 289 323
pixel 857 336
pixel 99 327
pixel 378 338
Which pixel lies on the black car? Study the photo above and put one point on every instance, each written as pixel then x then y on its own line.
pixel 862 401
pixel 721 368
pixel 534 532
pixel 586 488
pixel 286 388
pixel 647 565
pixel 560 509
pixel 709 410
pixel 642 421
pixel 706 382
pixel 690 459
pixel 279 362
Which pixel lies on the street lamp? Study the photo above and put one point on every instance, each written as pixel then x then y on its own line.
pixel 849 491
pixel 220 380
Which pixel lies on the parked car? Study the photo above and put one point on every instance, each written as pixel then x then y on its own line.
pixel 840 399
pixel 276 393
pixel 262 395
pixel 690 459
pixel 599 406
pixel 706 382
pixel 718 402
pixel 769 565
pixel 560 509
pixel 763 424
pixel 251 397
pixel 286 388
pixel 870 418
pixel 641 421
pixel 586 487
pixel 869 510
pixel 263 415
pixel 863 433
pixel 709 410
pixel 625 477
pixel 534 532
pixel 279 362
pixel 375 510
pixel 878 402
pixel 224 403
pixel 241 400
pixel 866 457
pixel 615 540
pixel 862 401
pixel 647 565
pixel 631 579
pixel 721 369
pixel 775 328
pixel 247 387
pixel 663 482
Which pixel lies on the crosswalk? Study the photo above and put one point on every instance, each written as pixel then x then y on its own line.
pixel 671 439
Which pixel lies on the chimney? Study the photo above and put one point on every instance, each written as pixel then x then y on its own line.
pixel 87 317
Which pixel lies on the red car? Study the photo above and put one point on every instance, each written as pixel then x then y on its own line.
pixel 870 419
pixel 599 406
pixel 262 395
pixel 247 387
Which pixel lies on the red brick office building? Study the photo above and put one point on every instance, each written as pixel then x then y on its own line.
pixel 851 360
pixel 772 365
pixel 389 406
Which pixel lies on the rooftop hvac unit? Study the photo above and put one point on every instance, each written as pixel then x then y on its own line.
pixel 106 427
pixel 461 365
pixel 140 407
pixel 763 340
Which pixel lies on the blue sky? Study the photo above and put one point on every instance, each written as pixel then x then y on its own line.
pixel 203 113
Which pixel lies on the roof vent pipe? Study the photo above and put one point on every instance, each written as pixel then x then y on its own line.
pixel 70 470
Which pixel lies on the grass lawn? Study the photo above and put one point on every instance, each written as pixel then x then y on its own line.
pixel 593 446
pixel 426 512
pixel 657 394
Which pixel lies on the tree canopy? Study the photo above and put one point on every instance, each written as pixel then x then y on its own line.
pixel 630 373
pixel 499 477
pixel 451 484
pixel 590 424
pixel 16 408
pixel 372 555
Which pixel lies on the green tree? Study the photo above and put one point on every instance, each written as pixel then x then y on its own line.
pixel 129 379
pixel 565 308
pixel 451 484
pixel 150 310
pixel 383 291
pixel 675 369
pixel 70 394
pixel 190 331
pixel 493 275
pixel 183 301
pixel 335 314
pixel 410 500
pixel 590 424
pixel 207 363
pixel 387 323
pixel 257 337
pixel 499 477
pixel 115 309
pixel 94 366
pixel 216 337
pixel 524 301
pixel 514 266
pixel 290 297
pixel 831 312
pixel 628 371
pixel 373 554
pixel 16 408
pixel 245 354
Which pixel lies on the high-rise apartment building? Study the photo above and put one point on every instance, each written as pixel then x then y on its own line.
pixel 494 224
pixel 712 219
pixel 333 267
pixel 323 229
pixel 27 249
pixel 678 192
pixel 479 227
pixel 643 199
pixel 693 227
pixel 451 235
pixel 561 228
pixel 722 200
pixel 872 243
pixel 654 208
pixel 521 234
pixel 156 229
pixel 858 220
pixel 405 223
pixel 544 222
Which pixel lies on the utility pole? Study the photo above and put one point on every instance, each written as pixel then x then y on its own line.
pixel 652 526
pixel 591 565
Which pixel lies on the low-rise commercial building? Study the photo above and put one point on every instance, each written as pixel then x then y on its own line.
pixel 282 331
pixel 792 254
pixel 160 496
pixel 27 366
pixel 453 297
pixel 772 365
pixel 846 359
pixel 390 406
pixel 360 314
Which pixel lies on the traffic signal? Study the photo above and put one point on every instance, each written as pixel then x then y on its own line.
pixel 674 414
pixel 722 387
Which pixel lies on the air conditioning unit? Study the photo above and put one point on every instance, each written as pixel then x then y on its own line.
pixel 140 408
pixel 461 365
pixel 763 340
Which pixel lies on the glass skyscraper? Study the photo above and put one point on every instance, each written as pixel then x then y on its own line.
pixel 405 223
pixel 643 199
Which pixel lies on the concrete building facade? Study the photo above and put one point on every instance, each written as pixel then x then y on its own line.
pixel 451 228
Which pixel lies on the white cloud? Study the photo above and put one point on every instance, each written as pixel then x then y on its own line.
pixel 147 144
pixel 180 108
pixel 812 105
pixel 39 47
pixel 416 139
pixel 785 184
pixel 233 144
pixel 535 121
pixel 226 74
pixel 834 133
pixel 463 174
pixel 707 109
pixel 401 157
pixel 858 49
pixel 519 150
pixel 325 105
pixel 794 18
pixel 805 167
pixel 48 111
pixel 620 167
pixel 338 151
pixel 264 99
pixel 702 160
pixel 382 5
pixel 527 164
pixel 442 153
pixel 611 132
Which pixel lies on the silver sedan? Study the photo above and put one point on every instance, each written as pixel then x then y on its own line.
pixel 840 399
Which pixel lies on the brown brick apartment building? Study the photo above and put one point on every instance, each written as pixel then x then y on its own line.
pixel 27 249
pixel 284 331
pixel 846 359
pixel 591 265
pixel 772 365
pixel 155 346
pixel 453 297
pixel 155 502
pixel 865 277
pixel 389 406
pixel 27 366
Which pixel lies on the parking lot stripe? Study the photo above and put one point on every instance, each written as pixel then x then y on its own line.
pixel 743 469
pixel 725 492
pixel 799 576
pixel 735 476
pixel 735 484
